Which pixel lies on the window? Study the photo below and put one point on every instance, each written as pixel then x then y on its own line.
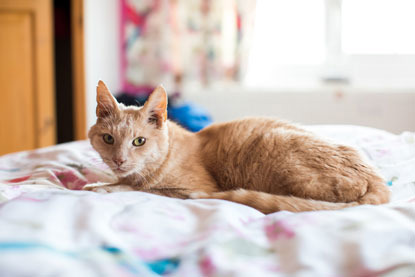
pixel 378 27
pixel 307 43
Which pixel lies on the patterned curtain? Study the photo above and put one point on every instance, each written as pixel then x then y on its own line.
pixel 176 42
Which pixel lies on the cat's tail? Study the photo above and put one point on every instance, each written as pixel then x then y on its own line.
pixel 269 203
pixel 377 192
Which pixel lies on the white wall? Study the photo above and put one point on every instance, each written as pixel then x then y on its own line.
pixel 390 110
pixel 101 36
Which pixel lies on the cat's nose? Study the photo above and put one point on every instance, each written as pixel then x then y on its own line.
pixel 118 161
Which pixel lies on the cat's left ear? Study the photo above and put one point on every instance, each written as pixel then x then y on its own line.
pixel 156 106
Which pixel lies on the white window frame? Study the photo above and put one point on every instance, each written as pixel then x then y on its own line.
pixel 364 70
pixel 350 70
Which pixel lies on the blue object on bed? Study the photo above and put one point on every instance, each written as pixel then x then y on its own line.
pixel 190 116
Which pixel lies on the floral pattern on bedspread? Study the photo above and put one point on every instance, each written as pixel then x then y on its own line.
pixel 65 166
pixel 57 230
pixel 134 234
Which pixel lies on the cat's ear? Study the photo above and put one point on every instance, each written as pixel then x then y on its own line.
pixel 106 103
pixel 156 106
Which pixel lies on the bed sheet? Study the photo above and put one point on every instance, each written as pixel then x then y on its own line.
pixel 49 227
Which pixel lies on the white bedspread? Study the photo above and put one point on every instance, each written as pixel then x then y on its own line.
pixel 48 227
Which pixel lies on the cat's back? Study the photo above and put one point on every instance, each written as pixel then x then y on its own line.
pixel 242 131
pixel 234 152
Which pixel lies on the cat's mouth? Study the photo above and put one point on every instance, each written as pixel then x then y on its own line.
pixel 119 170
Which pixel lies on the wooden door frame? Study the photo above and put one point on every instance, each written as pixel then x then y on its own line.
pixel 78 69
pixel 41 11
pixel 43 79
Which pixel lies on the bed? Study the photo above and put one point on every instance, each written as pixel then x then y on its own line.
pixel 49 226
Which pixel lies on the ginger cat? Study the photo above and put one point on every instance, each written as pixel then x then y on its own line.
pixel 264 163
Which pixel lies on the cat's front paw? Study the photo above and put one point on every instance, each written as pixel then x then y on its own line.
pixel 199 195
pixel 108 188
pixel 97 188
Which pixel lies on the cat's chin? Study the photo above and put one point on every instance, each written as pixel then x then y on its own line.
pixel 121 173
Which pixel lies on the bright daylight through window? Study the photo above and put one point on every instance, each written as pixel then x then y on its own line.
pixel 303 43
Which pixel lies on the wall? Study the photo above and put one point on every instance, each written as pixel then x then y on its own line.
pixel 101 49
pixel 390 110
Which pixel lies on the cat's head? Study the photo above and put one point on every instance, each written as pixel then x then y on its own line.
pixel 130 139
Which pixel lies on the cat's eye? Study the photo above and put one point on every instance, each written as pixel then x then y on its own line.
pixel 108 139
pixel 139 141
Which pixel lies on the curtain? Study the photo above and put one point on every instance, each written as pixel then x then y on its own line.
pixel 181 42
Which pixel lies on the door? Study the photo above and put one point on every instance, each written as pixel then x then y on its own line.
pixel 27 113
